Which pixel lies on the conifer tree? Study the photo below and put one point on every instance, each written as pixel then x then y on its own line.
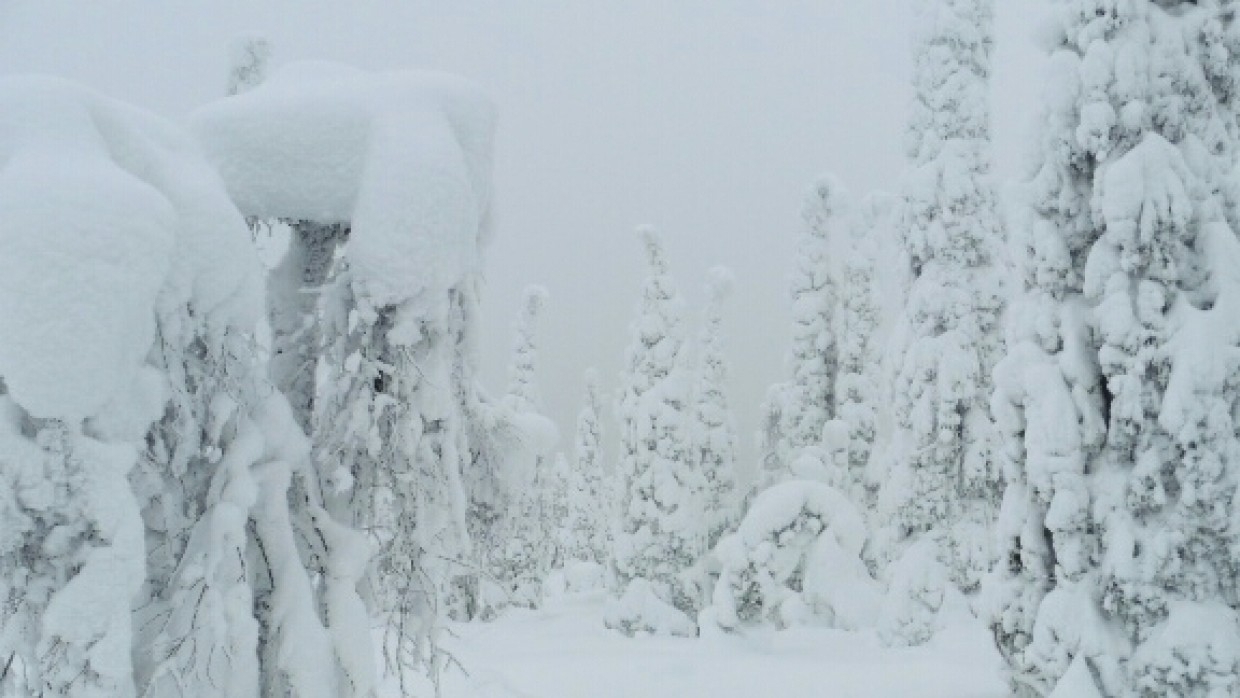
pixel 856 389
pixel 657 538
pixel 796 411
pixel 943 482
pixel 527 542
pixel 713 416
pixel 588 526
pixel 1117 394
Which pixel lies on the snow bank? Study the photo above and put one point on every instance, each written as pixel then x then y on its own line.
pixel 405 157
pixel 104 209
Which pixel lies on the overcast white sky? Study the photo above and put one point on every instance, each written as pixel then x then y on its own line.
pixel 707 118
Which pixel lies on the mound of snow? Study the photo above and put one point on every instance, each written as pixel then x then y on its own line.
pixel 796 557
pixel 641 610
pixel 404 157
pixel 104 211
pixel 910 611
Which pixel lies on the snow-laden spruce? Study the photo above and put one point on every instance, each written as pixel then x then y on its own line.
pixel 1117 396
pixel 587 530
pixel 796 411
pixel 715 428
pixel 386 177
pixel 857 325
pixel 658 536
pixel 145 446
pixel 522 547
pixel 943 482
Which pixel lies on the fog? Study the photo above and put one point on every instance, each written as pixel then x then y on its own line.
pixel 707 118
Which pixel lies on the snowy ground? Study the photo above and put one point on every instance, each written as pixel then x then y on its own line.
pixel 563 651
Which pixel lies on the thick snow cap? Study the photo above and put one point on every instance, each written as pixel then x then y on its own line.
pixel 404 157
pixel 105 210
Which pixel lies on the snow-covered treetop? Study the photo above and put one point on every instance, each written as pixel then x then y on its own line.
pixel 248 58
pixel 106 211
pixel 403 157
pixel 523 391
pixel 951 65
pixel 826 199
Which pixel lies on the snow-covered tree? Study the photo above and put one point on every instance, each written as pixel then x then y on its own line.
pixel 658 536
pixel 152 419
pixel 716 431
pixel 523 545
pixel 857 322
pixel 249 56
pixel 943 481
pixel 1117 396
pixel 795 411
pixel 383 365
pixel 587 530
pixel 523 394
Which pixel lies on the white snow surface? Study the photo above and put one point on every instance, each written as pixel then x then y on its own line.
pixel 405 157
pixel 105 210
pixel 563 651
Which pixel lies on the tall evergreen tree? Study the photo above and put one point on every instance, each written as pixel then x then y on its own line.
pixel 657 537
pixel 857 319
pixel 796 411
pixel 1117 396
pixel 526 543
pixel 588 528
pixel 713 416
pixel 943 482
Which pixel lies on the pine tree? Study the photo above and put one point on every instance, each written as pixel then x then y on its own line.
pixel 588 525
pixel 657 538
pixel 713 416
pixel 944 483
pixel 795 412
pixel 1114 399
pixel 856 390
pixel 526 541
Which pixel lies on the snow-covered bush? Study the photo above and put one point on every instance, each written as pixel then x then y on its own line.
pixel 658 535
pixel 794 559
pixel 642 608
pixel 1117 395
pixel 918 582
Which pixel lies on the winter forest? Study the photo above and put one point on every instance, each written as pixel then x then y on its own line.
pixel 250 446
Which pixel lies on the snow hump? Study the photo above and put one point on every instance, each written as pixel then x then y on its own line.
pixel 404 157
pixel 105 212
